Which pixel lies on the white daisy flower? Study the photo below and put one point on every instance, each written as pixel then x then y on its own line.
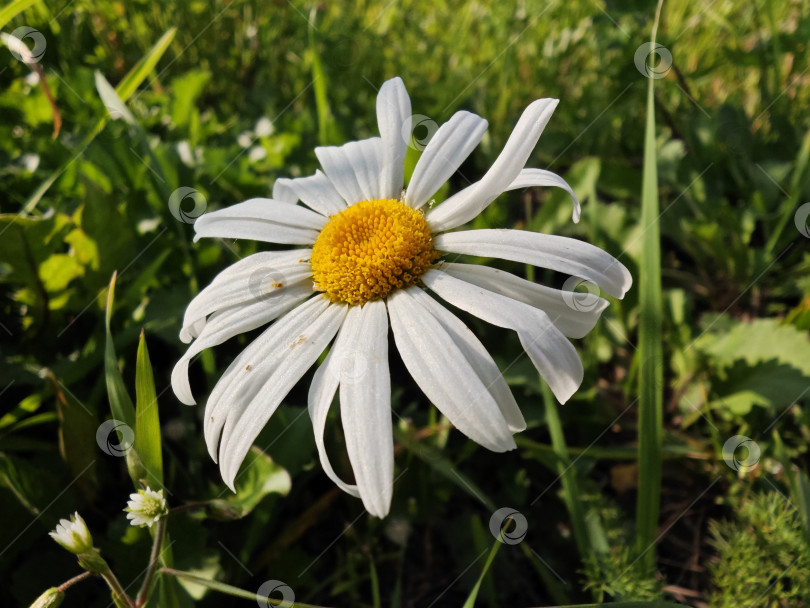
pixel 146 507
pixel 372 253
pixel 73 535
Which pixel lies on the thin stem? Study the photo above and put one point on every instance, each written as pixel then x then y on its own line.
pixel 191 506
pixel 143 594
pixel 120 596
pixel 76 579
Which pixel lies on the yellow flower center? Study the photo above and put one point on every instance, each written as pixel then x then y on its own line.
pixel 369 249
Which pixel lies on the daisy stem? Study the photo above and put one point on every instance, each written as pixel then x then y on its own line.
pixel 154 559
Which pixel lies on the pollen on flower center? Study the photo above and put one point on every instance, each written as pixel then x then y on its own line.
pixel 371 248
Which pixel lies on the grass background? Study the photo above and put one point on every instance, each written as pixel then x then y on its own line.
pixel 729 148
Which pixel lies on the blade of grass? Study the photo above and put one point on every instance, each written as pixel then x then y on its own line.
pixel 125 89
pixel 470 602
pixel 567 474
pixel 650 350
pixel 327 129
pixel 7 13
pixel 121 405
pixel 147 422
pixel 231 590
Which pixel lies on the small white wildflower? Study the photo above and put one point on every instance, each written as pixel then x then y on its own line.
pixel 257 153
pixel 73 535
pixel 245 139
pixel 264 127
pixel 146 507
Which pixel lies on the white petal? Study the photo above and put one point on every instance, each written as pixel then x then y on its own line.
pixel 262 219
pixel 552 354
pixel 229 322
pixel 315 191
pixel 574 313
pixel 471 201
pixel 256 277
pixel 528 178
pixel 365 407
pixel 321 393
pixel 354 168
pixel 251 368
pixel 443 373
pixel 448 148
pixel 481 361
pixel 394 119
pixel 558 253
pixel 292 359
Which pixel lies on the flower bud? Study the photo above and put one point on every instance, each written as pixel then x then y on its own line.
pixel 49 599
pixel 73 535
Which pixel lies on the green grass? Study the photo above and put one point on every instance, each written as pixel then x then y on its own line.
pixel 692 180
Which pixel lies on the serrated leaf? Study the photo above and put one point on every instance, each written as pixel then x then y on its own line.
pixel 147 421
pixel 759 341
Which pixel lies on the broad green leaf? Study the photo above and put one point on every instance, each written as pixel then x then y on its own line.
pixel 650 351
pixel 262 476
pixel 147 422
pixel 77 423
pixel 757 342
